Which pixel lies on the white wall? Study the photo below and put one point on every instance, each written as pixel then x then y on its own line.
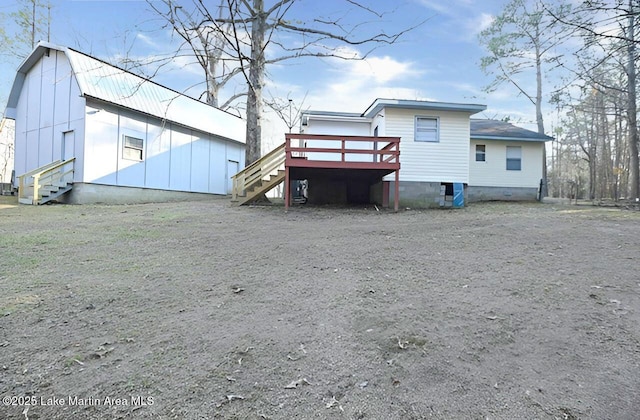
pixel 342 127
pixel 444 161
pixel 7 135
pixel 49 105
pixel 493 171
pixel 175 158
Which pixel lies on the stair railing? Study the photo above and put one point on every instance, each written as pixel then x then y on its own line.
pixel 44 175
pixel 259 170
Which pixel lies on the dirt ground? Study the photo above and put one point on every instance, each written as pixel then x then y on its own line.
pixel 199 310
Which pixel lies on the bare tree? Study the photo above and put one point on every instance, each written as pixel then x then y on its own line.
pixel 523 38
pixel 609 33
pixel 205 41
pixel 250 27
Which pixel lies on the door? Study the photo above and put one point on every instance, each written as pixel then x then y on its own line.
pixel 68 144
pixel 233 168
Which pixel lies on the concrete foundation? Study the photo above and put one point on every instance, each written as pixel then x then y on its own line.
pixel 477 194
pixel 419 195
pixel 108 194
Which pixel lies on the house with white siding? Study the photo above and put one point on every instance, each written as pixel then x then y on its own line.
pixel 441 151
pixel 506 162
pixel 6 155
pixel 87 131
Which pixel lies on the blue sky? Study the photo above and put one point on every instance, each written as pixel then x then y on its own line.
pixel 437 61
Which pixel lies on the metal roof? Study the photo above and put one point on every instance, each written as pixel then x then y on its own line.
pixel 100 80
pixel 500 130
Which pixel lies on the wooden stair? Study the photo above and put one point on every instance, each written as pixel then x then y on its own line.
pixel 46 183
pixel 259 178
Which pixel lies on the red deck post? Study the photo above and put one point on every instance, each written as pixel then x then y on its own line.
pixel 397 191
pixel 384 160
pixel 287 183
pixel 287 187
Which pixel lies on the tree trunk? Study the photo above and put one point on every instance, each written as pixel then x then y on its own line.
pixel 539 118
pixel 212 86
pixel 632 110
pixel 256 81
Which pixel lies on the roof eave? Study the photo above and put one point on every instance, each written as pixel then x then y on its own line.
pixel 380 104
pixel 506 138
pixel 21 73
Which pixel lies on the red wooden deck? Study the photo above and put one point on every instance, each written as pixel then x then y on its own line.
pixel 350 156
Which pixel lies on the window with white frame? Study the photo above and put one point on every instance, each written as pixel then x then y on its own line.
pixel 480 153
pixel 427 129
pixel 514 158
pixel 132 148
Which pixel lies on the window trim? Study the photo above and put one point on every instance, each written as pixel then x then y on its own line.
pixel 131 147
pixel 513 160
pixel 482 153
pixel 415 128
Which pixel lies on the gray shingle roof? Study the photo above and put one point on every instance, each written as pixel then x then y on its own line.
pixel 500 130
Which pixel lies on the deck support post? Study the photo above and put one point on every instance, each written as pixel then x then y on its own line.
pixel 287 188
pixel 396 192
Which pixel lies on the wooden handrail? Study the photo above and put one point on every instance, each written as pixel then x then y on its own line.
pixel 339 137
pixel 258 162
pixel 48 170
pixel 389 154
pixel 41 168
pixel 257 171
pixel 347 151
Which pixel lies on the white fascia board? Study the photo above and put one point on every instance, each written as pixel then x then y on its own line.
pixel 495 138
pixel 380 104
pixel 338 118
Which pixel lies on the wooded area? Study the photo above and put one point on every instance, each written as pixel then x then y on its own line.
pixel 590 49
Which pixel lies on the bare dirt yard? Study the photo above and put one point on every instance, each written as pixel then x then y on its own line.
pixel 200 310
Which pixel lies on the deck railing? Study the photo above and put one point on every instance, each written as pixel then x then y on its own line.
pixel 342 152
pixel 315 150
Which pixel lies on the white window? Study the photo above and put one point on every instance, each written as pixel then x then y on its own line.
pixel 514 158
pixel 427 129
pixel 481 153
pixel 132 148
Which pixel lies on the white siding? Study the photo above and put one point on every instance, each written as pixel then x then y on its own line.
pixel 43 113
pixel 338 127
pixel 130 172
pixel 101 146
pixel 175 158
pixel 200 159
pixel 493 171
pixel 218 177
pixel 444 161
pixel 50 103
pixel 180 169
pixel 158 158
pixel 7 136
